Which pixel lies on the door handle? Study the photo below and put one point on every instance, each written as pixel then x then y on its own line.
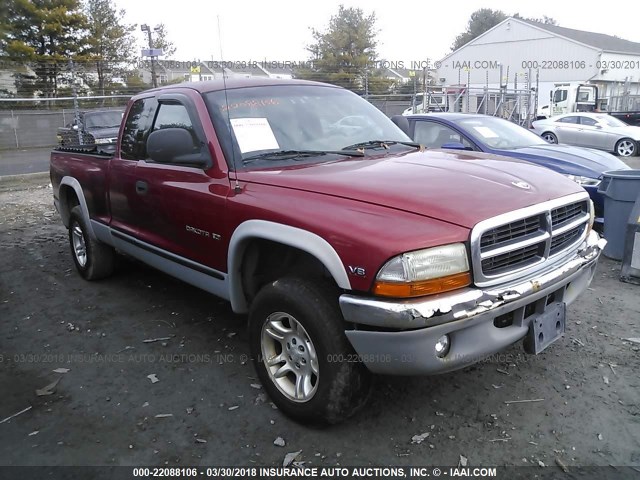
pixel 141 187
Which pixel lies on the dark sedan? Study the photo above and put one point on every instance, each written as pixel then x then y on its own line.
pixel 482 133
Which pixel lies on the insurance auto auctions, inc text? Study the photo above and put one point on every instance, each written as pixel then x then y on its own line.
pixel 375 472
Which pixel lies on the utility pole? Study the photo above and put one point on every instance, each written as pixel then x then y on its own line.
pixel 145 28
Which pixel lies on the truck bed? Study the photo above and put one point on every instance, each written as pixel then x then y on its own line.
pixel 89 167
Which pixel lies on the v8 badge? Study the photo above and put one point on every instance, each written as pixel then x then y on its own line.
pixel 357 271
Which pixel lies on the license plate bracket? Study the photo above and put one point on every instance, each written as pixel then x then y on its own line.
pixel 546 328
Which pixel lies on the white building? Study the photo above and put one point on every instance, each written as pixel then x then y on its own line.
pixel 516 49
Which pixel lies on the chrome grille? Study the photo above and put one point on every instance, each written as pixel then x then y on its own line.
pixel 517 243
pixel 510 231
pixel 567 213
pixel 513 259
pixel 561 241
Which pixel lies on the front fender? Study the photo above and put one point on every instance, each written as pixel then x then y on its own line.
pixel 286 235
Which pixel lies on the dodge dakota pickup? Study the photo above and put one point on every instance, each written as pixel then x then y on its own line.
pixel 351 249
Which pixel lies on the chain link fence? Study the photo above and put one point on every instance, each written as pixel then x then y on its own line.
pixel 38 98
pixel 34 126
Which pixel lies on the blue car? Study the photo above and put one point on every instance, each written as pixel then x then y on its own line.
pixel 483 133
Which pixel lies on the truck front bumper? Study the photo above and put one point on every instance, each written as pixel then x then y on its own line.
pixel 398 337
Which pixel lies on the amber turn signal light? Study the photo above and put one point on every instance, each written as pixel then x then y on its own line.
pixel 421 288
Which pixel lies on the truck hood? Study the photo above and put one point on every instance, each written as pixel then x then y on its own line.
pixel 567 159
pixel 461 188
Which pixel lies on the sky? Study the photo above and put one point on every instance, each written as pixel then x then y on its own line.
pixel 272 30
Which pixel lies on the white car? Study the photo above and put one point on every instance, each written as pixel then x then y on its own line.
pixel 593 130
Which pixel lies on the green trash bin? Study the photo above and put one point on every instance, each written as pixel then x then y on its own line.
pixel 620 189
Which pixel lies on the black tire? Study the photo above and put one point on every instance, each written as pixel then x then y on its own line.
pixel 626 147
pixel 341 385
pixel 550 137
pixel 99 258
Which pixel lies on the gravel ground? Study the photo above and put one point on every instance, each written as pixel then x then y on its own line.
pixel 207 407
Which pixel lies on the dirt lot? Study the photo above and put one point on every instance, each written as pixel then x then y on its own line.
pixel 207 409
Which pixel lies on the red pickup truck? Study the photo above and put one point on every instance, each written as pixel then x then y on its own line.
pixel 351 249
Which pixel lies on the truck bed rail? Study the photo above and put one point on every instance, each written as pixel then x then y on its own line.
pixel 84 150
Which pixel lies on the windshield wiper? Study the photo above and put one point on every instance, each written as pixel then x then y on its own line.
pixel 297 154
pixel 381 144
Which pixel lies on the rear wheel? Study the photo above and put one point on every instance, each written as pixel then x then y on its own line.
pixel 550 137
pixel 626 147
pixel 301 353
pixel 93 259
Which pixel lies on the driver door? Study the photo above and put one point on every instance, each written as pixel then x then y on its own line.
pixel 568 130
pixel 182 207
pixel 593 134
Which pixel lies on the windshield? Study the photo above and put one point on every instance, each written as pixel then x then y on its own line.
pixel 499 133
pixel 102 119
pixel 296 118
pixel 610 121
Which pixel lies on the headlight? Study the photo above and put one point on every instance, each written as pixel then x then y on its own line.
pixel 580 180
pixel 424 272
pixel 103 141
pixel 592 215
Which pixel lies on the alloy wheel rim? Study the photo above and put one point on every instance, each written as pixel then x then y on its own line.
pixel 550 138
pixel 626 148
pixel 290 357
pixel 79 245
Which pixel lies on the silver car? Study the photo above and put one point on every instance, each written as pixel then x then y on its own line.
pixel 593 130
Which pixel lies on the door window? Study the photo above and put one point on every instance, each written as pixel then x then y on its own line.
pixel 176 115
pixel 560 96
pixel 572 119
pixel 588 121
pixel 173 115
pixel 434 135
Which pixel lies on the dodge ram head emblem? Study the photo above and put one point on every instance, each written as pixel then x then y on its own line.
pixel 522 185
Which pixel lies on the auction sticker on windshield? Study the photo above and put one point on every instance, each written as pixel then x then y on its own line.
pixel 254 134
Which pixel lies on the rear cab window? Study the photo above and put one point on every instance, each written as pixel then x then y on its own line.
pixel 137 128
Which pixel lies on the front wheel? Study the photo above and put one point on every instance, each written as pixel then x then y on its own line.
pixel 301 353
pixel 626 147
pixel 93 259
pixel 550 137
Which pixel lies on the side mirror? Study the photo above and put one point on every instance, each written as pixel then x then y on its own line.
pixel 175 145
pixel 455 146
